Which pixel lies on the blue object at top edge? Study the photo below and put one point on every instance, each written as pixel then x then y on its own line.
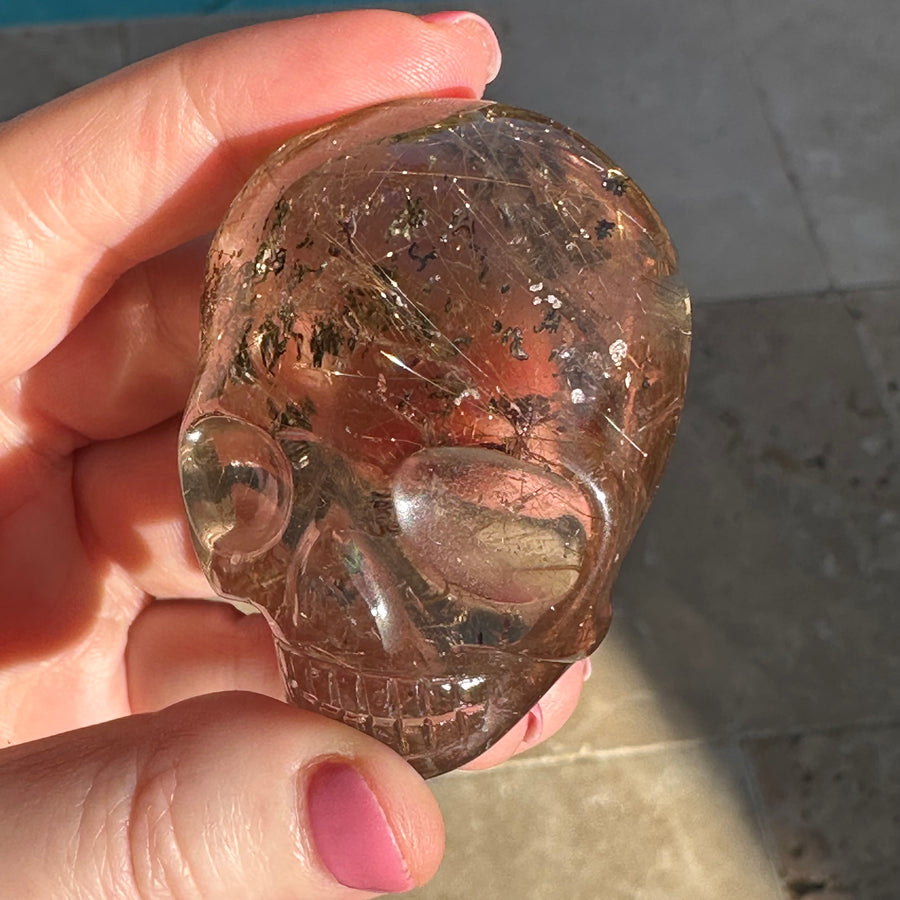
pixel 39 12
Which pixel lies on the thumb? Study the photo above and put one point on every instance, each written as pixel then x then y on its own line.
pixel 223 796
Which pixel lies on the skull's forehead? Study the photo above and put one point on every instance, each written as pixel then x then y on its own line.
pixel 456 288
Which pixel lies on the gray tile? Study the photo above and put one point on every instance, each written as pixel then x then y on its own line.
pixel 39 64
pixel 878 327
pixel 829 71
pixel 833 804
pixel 761 592
pixel 662 87
pixel 654 826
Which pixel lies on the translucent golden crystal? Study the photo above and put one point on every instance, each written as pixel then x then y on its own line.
pixel 444 354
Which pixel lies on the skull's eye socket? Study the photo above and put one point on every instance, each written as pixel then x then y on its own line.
pixel 498 528
pixel 237 487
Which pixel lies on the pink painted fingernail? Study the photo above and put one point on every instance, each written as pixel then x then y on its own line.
pixel 476 24
pixel 351 832
pixel 588 668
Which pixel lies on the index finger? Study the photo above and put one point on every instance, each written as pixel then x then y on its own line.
pixel 149 157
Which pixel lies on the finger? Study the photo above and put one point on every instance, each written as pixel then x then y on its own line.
pixel 149 157
pixel 131 511
pixel 551 712
pixel 229 795
pixel 146 330
pixel 179 649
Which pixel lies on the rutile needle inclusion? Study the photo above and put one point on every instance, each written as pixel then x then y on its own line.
pixel 444 353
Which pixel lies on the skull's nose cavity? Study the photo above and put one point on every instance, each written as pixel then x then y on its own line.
pixel 237 487
pixel 484 523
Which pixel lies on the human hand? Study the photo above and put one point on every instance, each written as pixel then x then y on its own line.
pixel 105 195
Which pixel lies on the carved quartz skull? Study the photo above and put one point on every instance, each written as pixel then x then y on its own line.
pixel 444 353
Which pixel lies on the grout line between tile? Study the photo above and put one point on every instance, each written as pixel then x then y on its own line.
pixel 821 728
pixel 859 287
pixel 842 291
pixel 732 739
pixel 763 822
pixel 610 753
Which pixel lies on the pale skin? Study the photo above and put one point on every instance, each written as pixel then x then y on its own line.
pixel 107 789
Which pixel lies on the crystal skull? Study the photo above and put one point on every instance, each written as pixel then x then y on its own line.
pixel 444 352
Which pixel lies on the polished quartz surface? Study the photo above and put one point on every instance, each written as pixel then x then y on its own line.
pixel 444 354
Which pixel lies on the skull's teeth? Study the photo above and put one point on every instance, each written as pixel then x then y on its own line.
pixel 416 716
pixel 337 688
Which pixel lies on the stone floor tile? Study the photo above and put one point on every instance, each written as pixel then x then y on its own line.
pixel 620 707
pixel 761 592
pixel 663 88
pixel 833 806
pixel 656 826
pixel 38 64
pixel 878 326
pixel 828 71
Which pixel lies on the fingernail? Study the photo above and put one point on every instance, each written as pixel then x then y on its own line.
pixel 535 727
pixel 588 668
pixel 477 24
pixel 351 832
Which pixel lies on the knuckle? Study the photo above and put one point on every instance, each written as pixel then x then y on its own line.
pixel 161 859
pixel 95 850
